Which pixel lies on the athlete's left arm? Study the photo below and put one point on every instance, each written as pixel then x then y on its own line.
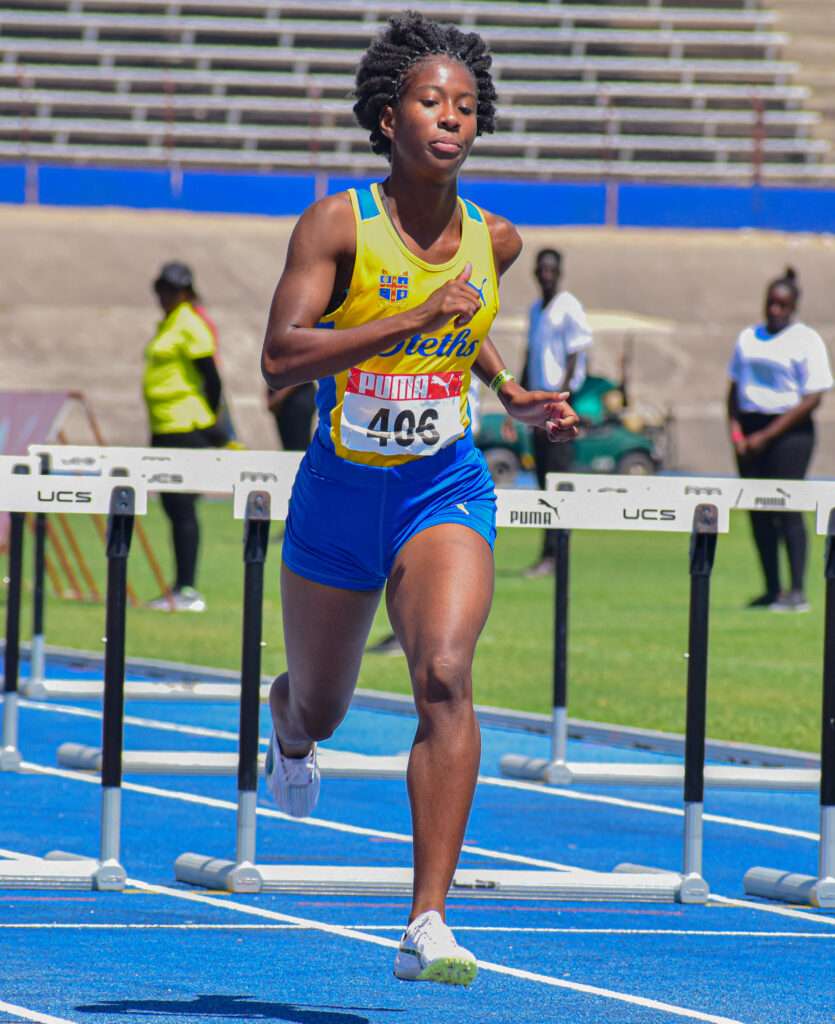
pixel 545 409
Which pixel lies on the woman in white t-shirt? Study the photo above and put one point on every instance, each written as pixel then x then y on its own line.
pixel 779 372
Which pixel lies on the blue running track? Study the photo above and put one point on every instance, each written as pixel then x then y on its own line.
pixel 164 953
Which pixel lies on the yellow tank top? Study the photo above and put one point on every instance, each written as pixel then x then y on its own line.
pixel 409 401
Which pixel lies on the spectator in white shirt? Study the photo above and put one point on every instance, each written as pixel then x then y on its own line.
pixel 558 339
pixel 778 373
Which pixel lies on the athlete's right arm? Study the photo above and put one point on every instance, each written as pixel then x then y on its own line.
pixel 322 244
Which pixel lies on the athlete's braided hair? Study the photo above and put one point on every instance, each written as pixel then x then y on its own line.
pixel 385 67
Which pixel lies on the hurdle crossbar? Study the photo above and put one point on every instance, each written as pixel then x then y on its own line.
pixel 773 883
pixel 175 470
pixel 121 502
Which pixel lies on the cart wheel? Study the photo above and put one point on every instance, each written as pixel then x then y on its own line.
pixel 636 464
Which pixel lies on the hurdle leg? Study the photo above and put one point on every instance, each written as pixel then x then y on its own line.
pixel 702 553
pixel 243 875
pixel 111 874
pixel 10 752
pixel 558 772
pixel 34 686
pixel 256 539
pixel 772 883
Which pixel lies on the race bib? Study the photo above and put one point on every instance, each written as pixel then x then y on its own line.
pixel 401 413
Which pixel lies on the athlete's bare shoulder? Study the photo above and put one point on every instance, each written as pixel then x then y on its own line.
pixel 328 227
pixel 507 242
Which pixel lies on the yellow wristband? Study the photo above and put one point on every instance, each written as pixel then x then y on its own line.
pixel 501 378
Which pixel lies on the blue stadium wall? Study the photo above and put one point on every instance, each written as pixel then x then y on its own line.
pixel 524 202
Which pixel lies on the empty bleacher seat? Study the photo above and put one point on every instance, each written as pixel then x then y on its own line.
pixel 670 88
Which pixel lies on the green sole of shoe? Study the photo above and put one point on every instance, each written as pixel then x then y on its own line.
pixel 449 972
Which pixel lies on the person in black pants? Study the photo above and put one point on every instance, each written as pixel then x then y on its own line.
pixel 779 372
pixel 183 396
pixel 292 409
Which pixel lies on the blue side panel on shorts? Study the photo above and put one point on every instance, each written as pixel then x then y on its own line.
pixel 325 401
pixel 368 208
pixel 472 210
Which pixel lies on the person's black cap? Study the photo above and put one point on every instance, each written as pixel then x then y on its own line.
pixel 175 275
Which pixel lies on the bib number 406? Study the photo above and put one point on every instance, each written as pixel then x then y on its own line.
pixel 407 427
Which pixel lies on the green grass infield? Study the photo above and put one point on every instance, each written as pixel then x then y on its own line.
pixel 627 627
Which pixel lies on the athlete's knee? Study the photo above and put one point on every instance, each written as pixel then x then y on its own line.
pixel 442 682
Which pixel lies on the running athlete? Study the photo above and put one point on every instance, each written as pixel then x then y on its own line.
pixel 386 299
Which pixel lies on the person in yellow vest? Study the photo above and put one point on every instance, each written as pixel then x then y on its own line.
pixel 182 390
pixel 386 299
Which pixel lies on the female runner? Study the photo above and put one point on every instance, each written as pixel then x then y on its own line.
pixel 386 299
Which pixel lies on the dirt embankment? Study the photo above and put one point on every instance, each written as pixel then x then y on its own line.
pixel 76 309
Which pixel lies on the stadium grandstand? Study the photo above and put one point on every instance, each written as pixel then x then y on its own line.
pixel 634 89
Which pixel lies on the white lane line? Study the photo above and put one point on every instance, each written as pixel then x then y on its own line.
pixel 793 911
pixel 268 812
pixel 486 965
pixel 509 929
pixel 486 780
pixel 640 805
pixel 400 837
pixel 145 723
pixel 41 1018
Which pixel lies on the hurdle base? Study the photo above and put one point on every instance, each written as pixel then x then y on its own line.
pixel 34 689
pixel 184 691
pixel 333 764
pixel 716 776
pixel 59 870
pixel 107 875
pixel 319 880
pixel 214 873
pixel 773 884
pixel 692 888
pixel 10 759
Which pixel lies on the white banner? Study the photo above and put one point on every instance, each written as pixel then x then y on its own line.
pixel 566 510
pixel 734 492
pixel 196 470
pixel 25 493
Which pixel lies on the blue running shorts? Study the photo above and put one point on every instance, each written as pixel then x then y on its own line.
pixel 348 521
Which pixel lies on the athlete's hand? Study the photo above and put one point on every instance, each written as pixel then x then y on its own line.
pixel 456 300
pixel 756 442
pixel 548 410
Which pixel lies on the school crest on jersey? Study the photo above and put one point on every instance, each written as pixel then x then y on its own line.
pixel 394 287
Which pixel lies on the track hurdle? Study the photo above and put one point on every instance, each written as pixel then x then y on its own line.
pixel 244 874
pixel 334 763
pixel 654 493
pixel 121 503
pixel 183 470
pixel 772 883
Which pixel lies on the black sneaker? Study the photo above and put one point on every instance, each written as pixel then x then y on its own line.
pixel 764 601
pixel 791 601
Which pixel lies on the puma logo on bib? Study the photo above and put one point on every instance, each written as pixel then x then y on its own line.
pixel 398 413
